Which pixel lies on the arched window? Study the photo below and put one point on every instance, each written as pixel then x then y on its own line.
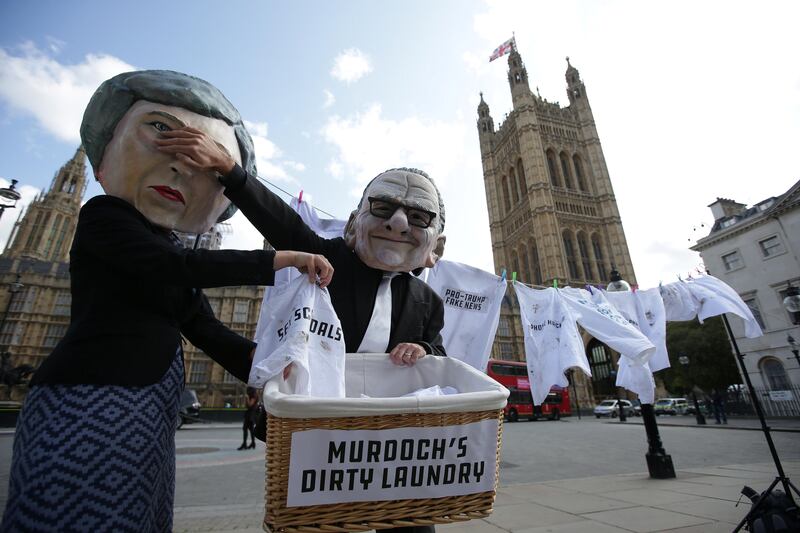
pixel 578 164
pixel 569 251
pixel 514 263
pixel 567 175
pixel 523 185
pixel 506 197
pixel 774 374
pixel 551 167
pixel 599 258
pixel 525 267
pixel 602 367
pixel 513 179
pixel 586 261
pixel 537 268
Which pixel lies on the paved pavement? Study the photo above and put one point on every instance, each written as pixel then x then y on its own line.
pixel 567 476
pixel 699 500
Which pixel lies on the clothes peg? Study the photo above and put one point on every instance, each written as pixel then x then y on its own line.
pixel 503 274
pixel 589 288
pixel 555 283
pixel 300 197
pixel 514 276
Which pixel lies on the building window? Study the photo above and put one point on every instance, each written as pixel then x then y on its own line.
pixel 523 185
pixel 506 197
pixel 585 260
pixel 565 171
pixel 551 167
pixel 240 311
pixel 569 251
pixel 506 351
pixel 200 372
pixel 576 161
pixel 54 334
pixel 229 378
pixel 214 303
pixel 23 301
pixel 513 178
pixel 771 246
pixel 781 296
pixel 503 327
pixel 63 304
pixel 752 303
pixel 602 366
pixel 599 260
pixel 732 261
pixel 774 374
pixel 11 334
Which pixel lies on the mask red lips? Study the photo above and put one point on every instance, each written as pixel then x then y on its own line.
pixel 169 193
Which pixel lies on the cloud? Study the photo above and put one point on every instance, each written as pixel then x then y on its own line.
pixel 268 155
pixel 368 143
pixel 351 65
pixel 330 99
pixel 53 93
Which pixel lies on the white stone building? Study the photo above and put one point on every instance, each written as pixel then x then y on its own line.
pixel 755 251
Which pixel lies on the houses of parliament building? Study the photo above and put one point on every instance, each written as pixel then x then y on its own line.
pixel 552 213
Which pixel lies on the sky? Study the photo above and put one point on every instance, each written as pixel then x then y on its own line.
pixel 692 100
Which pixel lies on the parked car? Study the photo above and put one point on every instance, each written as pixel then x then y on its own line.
pixel 610 408
pixel 637 407
pixel 189 409
pixel 670 406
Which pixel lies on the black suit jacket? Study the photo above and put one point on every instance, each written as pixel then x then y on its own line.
pixel 417 311
pixel 134 292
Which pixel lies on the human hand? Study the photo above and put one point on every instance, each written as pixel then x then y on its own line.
pixel 195 148
pixel 287 370
pixel 314 265
pixel 406 353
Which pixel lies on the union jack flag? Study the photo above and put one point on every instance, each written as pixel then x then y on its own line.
pixel 502 50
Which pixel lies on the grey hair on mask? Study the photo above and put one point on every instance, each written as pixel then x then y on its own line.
pixel 116 95
pixel 418 172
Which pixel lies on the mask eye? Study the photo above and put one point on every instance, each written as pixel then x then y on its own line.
pixel 160 126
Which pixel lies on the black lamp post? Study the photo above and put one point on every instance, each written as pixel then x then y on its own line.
pixel 794 345
pixel 618 284
pixel 701 420
pixel 9 194
pixel 659 463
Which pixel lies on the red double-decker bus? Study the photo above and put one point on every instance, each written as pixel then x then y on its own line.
pixel 514 376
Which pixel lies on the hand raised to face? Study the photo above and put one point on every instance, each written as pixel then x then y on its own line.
pixel 166 188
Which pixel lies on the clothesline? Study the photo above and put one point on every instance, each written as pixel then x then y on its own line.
pixel 265 180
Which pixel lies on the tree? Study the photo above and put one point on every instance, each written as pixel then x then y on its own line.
pixel 712 362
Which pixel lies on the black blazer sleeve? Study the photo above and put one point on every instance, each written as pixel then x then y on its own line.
pixel 224 346
pixel 113 232
pixel 271 216
pixel 432 333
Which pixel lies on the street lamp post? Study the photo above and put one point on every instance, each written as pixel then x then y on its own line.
pixel 794 345
pixel 659 463
pixel 9 194
pixel 698 415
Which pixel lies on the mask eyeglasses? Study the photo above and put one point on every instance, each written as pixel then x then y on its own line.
pixel 415 216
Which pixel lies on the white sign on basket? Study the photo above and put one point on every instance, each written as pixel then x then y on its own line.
pixel 337 466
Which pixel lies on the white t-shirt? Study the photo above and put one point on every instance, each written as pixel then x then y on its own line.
pixel 679 305
pixel 552 341
pixel 645 310
pixel 715 297
pixel 299 326
pixel 605 323
pixel 472 299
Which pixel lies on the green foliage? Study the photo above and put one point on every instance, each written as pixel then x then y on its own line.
pixel 712 363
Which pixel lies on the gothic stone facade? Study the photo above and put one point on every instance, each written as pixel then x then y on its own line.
pixel 37 315
pixel 552 212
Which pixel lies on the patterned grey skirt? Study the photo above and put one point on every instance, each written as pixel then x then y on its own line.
pixel 95 457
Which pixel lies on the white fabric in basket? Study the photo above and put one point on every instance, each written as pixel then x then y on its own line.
pixel 375 376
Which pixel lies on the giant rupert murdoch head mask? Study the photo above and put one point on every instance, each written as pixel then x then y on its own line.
pixel 123 119
pixel 399 222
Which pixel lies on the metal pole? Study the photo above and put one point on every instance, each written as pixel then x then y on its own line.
pixel 701 420
pixel 757 407
pixel 659 464
pixel 575 394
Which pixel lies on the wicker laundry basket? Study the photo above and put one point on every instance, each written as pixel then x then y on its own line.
pixel 373 407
